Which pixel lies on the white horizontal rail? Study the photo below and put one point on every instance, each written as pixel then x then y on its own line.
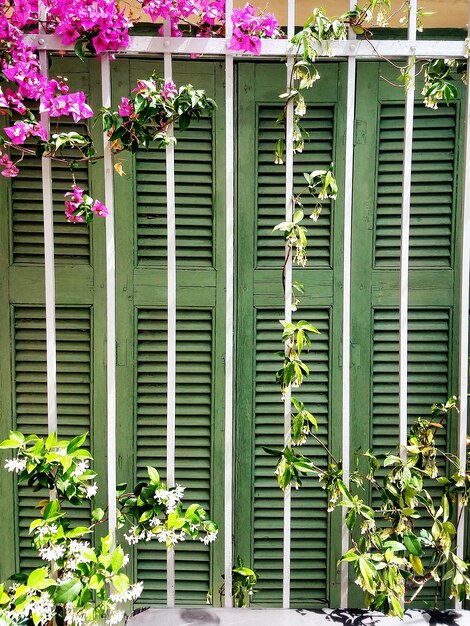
pixel 275 48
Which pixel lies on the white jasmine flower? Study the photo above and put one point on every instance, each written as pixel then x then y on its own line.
pixel 46 529
pixel 81 468
pixel 15 465
pixel 52 553
pixel 91 490
pixel 161 495
pixel 154 522
pixel 115 617
pixel 209 538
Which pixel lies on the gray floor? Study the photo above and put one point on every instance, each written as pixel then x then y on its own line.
pixel 292 617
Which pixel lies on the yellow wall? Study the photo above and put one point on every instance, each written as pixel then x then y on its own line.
pixel 446 14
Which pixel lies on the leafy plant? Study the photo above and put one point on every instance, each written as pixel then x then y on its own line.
pixel 82 582
pixel 244 580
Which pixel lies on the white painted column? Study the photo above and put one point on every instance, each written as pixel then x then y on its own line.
pixel 110 306
pixel 49 264
pixel 229 312
pixel 171 315
pixel 346 342
pixel 405 240
pixel 463 322
pixel 286 566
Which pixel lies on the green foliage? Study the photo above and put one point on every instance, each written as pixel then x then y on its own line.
pixel 81 581
pixel 152 112
pixel 244 580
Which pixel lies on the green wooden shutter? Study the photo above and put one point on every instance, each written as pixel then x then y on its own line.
pixel 193 438
pixel 318 154
pixel 259 409
pixel 194 199
pixel 433 297
pixel 142 329
pixel 73 395
pixel 309 515
pixel 433 186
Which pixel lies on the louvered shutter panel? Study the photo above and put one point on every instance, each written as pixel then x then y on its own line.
pixel 433 186
pixel 428 382
pixel 71 241
pixel 193 440
pixel 317 155
pixel 310 537
pixel 194 199
pixel 73 396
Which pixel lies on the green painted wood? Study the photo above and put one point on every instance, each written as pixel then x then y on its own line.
pixel 80 321
pixel 260 305
pixel 141 297
pixel 433 298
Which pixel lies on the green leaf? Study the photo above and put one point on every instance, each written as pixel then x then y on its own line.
pixel 68 591
pixel 76 442
pixel 146 515
pixel 153 475
pixel 412 544
pixel 367 573
pixel 79 50
pixel 417 564
pixel 37 576
pixel 79 531
pixel 97 515
pixel 106 543
pixel 117 559
pixel 120 583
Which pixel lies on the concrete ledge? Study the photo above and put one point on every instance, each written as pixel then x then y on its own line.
pixel 293 617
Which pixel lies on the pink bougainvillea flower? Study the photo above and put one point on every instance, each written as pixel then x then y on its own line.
pixel 169 90
pixel 10 170
pixel 99 209
pixel 73 104
pixel 245 42
pixel 18 133
pixel 125 108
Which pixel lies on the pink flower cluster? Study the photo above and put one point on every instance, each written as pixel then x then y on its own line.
pixel 20 131
pixel 99 21
pixel 80 207
pixel 204 13
pixel 250 26
pixel 10 170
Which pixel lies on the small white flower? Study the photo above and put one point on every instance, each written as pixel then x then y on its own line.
pixel 210 537
pixel 154 522
pixel 81 468
pixel 91 490
pixel 15 465
pixel 115 617
pixel 52 553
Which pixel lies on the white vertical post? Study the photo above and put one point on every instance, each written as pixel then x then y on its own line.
pixel 229 322
pixel 405 239
pixel 110 306
pixel 49 267
pixel 347 244
pixel 464 314
pixel 171 314
pixel 286 568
